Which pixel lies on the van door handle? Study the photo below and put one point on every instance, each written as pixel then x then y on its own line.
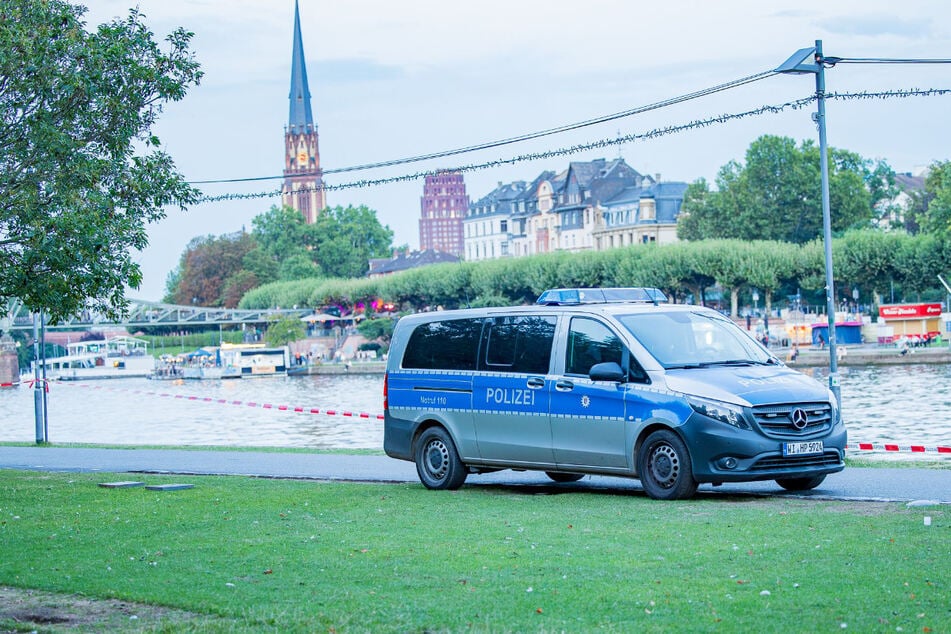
pixel 536 383
pixel 564 385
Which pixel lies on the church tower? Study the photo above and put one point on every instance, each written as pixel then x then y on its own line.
pixel 303 178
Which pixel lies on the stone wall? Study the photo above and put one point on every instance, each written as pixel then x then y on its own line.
pixel 9 367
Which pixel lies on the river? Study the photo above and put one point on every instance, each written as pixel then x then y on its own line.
pixel 906 405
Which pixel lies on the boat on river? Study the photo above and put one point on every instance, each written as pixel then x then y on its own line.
pixel 244 360
pixel 112 358
pixel 230 361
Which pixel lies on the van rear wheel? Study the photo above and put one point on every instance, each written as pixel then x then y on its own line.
pixel 663 465
pixel 437 461
pixel 557 476
pixel 800 484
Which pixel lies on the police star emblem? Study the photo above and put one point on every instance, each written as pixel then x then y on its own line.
pixel 585 401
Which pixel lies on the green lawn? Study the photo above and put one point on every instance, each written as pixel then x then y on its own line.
pixel 246 554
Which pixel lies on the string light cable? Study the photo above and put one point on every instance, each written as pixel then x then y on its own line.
pixel 523 137
pixel 828 61
pixel 832 61
pixel 598 144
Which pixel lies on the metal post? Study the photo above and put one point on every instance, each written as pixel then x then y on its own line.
pixel 45 392
pixel 37 383
pixel 826 221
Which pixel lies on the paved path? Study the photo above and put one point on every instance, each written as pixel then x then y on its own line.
pixel 904 485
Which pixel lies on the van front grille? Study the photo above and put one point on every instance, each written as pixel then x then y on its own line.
pixel 779 421
pixel 771 463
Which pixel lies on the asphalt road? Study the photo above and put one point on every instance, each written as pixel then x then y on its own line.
pixel 859 484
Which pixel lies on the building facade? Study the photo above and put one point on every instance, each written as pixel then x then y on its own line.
pixel 443 208
pixel 639 215
pixel 303 187
pixel 591 205
pixel 487 225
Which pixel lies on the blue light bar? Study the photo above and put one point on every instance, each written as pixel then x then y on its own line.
pixel 571 296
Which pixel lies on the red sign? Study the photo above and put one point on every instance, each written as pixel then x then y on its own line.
pixel 909 311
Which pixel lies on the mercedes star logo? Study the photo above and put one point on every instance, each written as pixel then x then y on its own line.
pixel 799 418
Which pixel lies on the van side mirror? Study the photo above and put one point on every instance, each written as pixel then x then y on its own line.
pixel 607 371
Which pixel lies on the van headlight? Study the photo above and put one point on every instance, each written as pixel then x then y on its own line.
pixel 718 410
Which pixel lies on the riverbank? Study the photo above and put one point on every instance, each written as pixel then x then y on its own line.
pixel 357 367
pixel 849 355
pixel 863 355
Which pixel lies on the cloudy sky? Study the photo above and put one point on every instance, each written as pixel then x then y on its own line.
pixel 400 79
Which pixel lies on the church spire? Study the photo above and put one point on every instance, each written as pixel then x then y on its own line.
pixel 301 118
pixel 303 187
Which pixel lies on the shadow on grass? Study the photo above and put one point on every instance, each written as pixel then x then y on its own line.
pixel 632 490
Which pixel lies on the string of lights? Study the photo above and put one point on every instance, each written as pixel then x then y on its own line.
pixel 599 144
pixel 524 137
pixel 883 60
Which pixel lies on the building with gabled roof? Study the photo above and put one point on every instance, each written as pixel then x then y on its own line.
pixel 487 225
pixel 589 205
pixel 639 215
pixel 303 187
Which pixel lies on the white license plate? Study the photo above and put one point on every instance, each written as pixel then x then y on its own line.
pixel 802 448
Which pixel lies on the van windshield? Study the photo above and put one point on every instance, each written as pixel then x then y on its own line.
pixel 689 339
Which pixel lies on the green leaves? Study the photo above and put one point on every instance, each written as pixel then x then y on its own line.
pixel 776 194
pixel 346 239
pixel 77 194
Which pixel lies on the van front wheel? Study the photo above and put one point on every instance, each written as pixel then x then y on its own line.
pixel 437 461
pixel 663 465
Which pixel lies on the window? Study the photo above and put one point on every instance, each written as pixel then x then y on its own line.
pixel 684 338
pixel 444 345
pixel 590 342
pixel 504 226
pixel 519 344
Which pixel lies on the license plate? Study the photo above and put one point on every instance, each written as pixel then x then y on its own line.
pixel 802 448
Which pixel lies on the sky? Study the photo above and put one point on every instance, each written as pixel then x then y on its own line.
pixel 391 80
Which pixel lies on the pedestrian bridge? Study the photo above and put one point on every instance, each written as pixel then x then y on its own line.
pixel 144 314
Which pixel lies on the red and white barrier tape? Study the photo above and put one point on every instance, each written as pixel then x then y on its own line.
pixel 8 384
pixel 875 446
pixel 852 446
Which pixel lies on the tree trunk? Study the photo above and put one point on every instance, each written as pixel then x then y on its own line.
pixel 734 302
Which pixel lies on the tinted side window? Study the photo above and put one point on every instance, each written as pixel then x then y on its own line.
pixel 590 342
pixel 519 344
pixel 444 345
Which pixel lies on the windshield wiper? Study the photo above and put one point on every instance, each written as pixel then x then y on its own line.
pixel 727 362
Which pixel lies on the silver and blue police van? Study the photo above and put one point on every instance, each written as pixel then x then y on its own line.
pixel 604 381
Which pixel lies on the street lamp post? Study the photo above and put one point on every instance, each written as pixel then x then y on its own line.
pixel 798 64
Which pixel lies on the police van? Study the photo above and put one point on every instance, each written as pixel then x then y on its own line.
pixel 603 381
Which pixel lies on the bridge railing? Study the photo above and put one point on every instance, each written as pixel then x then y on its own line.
pixel 145 313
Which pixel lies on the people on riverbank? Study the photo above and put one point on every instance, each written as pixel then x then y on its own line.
pixel 793 353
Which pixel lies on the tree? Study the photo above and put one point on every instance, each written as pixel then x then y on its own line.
pixel 775 195
pixel 937 218
pixel 377 329
pixel 299 266
pixel 283 330
pixel 283 233
pixel 210 271
pixel 347 238
pixel 80 170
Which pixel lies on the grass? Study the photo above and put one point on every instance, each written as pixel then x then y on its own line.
pixel 246 554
